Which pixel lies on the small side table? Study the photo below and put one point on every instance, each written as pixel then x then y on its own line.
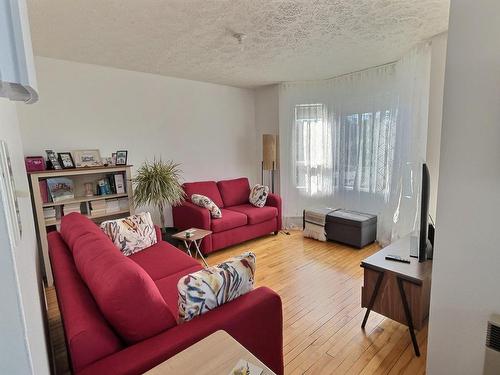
pixel 195 239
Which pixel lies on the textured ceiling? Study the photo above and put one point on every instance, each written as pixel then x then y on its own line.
pixel 285 40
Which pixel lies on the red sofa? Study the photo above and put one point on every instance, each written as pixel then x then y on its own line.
pixel 240 220
pixel 119 313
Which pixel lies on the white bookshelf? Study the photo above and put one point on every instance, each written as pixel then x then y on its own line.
pixel 79 176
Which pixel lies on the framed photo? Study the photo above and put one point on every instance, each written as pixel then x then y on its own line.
pixel 66 160
pixel 121 157
pixel 87 158
pixel 53 161
pixel 9 197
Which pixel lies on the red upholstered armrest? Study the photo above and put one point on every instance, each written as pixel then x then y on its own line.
pixel 254 319
pixel 274 200
pixel 189 215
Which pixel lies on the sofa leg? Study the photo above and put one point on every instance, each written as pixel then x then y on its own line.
pixel 276 232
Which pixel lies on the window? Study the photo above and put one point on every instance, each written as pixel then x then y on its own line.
pixel 367 150
pixel 313 149
pixel 363 155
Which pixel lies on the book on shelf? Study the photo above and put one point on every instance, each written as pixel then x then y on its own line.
pixel 98 211
pixel 44 191
pixel 99 204
pixel 98 207
pixel 61 189
pixel 104 188
pixel 49 213
pixel 72 207
pixel 52 213
pixel 124 204
pixel 111 183
pixel 112 205
pixel 119 183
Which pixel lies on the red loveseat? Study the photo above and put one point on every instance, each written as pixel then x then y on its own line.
pixel 241 221
pixel 119 313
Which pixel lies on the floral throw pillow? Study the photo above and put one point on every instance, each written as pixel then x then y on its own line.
pixel 205 290
pixel 258 195
pixel 206 202
pixel 131 234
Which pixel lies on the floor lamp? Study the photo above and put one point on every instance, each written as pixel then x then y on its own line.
pixel 269 157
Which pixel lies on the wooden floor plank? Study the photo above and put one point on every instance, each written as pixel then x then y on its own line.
pixel 320 286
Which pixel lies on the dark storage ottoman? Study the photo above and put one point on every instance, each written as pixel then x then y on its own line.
pixel 352 228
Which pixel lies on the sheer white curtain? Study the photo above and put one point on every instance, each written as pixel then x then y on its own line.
pixel 355 142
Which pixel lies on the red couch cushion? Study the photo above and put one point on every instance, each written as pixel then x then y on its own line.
pixel 88 335
pixel 124 292
pixel 73 226
pixel 168 287
pixel 163 259
pixel 234 192
pixel 256 215
pixel 206 188
pixel 229 220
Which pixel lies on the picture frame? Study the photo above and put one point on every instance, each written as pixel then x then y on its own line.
pixel 87 158
pixel 52 160
pixel 9 197
pixel 121 157
pixel 66 160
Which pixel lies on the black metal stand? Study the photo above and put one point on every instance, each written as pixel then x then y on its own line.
pixel 373 297
pixel 409 318
pixel 262 173
pixel 406 307
pixel 272 179
pixel 272 175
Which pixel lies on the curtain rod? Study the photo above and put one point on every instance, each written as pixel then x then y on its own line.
pixel 362 70
pixel 341 75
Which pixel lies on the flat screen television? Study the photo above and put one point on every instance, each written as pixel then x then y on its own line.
pixel 424 246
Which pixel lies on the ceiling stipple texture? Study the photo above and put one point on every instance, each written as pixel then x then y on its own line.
pixel 285 40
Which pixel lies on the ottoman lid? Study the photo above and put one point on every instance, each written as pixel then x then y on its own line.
pixel 353 218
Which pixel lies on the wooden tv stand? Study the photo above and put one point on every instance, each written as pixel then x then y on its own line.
pixel 399 291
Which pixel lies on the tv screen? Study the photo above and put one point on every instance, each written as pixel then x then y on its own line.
pixel 424 214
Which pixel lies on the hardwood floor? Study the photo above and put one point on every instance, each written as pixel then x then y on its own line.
pixel 320 285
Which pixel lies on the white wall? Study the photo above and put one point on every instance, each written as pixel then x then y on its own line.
pixel 438 62
pixel 266 122
pixel 209 129
pixel 22 341
pixel 466 277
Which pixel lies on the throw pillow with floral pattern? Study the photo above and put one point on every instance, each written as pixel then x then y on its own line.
pixel 131 234
pixel 258 195
pixel 206 202
pixel 207 289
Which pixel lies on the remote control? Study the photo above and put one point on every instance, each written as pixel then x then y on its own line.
pixel 397 258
